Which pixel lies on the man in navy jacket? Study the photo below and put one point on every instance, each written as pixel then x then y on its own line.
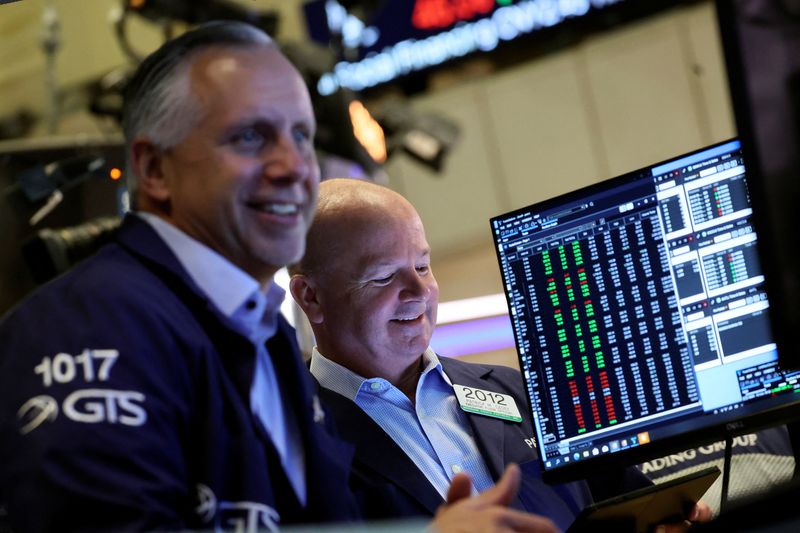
pixel 156 385
pixel 129 387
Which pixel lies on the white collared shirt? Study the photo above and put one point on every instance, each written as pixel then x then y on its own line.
pixel 255 315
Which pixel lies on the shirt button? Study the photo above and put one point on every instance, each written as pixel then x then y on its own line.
pixel 376 385
pixel 456 468
pixel 250 305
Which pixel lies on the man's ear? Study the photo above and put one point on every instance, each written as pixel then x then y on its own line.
pixel 147 160
pixel 306 295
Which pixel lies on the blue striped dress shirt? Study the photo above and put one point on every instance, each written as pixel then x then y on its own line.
pixel 434 432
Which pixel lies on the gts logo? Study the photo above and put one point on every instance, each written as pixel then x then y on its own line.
pixel 87 406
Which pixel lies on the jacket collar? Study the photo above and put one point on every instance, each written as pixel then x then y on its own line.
pixel 489 432
pixel 373 446
pixel 325 455
pixel 136 236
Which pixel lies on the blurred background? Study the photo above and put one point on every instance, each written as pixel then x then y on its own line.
pixel 469 108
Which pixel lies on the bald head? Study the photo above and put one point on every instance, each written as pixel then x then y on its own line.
pixel 365 282
pixel 347 209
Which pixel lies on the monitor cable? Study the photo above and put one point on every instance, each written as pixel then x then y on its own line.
pixel 726 473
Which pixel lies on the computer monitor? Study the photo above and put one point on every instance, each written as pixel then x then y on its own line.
pixel 640 315
pixel 761 41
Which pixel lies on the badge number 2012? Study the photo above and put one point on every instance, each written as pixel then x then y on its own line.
pixel 488 403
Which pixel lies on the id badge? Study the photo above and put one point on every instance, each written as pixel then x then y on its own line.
pixel 487 403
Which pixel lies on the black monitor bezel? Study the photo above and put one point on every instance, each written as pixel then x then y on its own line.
pixel 732 424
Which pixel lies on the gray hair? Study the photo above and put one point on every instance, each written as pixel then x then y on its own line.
pixel 158 104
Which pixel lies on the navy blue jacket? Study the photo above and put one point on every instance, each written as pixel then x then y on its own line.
pixel 124 404
pixel 390 484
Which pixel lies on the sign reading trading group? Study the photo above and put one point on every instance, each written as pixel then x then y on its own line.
pixel 407 36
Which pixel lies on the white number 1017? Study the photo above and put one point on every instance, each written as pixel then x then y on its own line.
pixel 63 367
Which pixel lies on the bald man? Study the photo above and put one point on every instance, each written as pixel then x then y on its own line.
pixel 367 288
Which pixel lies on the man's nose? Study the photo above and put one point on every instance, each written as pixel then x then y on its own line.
pixel 286 160
pixel 417 287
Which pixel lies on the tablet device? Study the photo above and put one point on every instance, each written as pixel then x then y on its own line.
pixel 640 510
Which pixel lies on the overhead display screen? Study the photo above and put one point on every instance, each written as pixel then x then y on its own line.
pixel 402 37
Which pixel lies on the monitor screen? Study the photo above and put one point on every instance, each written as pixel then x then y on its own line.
pixel 640 315
pixel 761 40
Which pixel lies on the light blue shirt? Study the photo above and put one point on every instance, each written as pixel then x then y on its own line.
pixel 434 433
pixel 254 313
